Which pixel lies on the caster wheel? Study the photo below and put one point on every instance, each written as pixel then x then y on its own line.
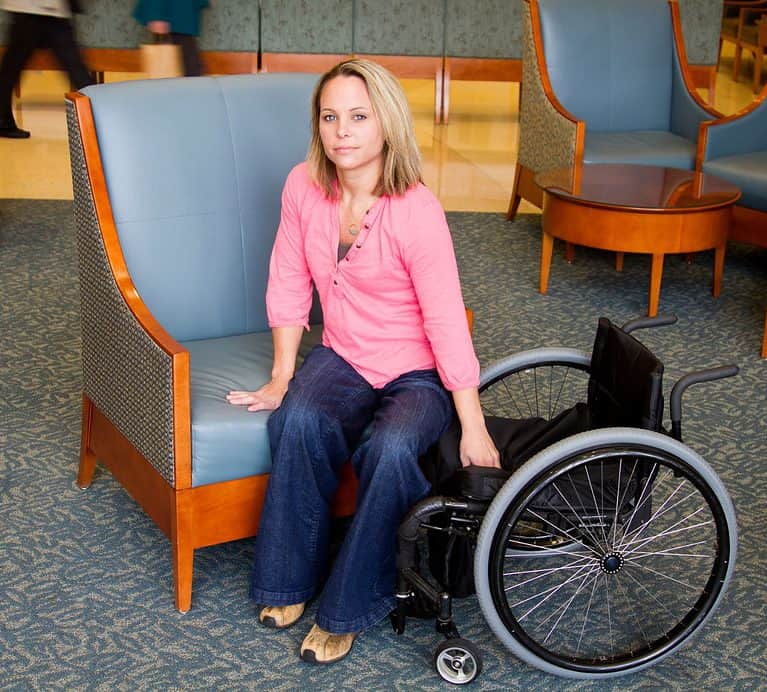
pixel 457 661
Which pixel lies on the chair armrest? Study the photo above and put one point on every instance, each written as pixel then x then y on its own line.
pixel 134 372
pixel 550 136
pixel 739 133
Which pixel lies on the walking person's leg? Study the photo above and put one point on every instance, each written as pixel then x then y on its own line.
pixel 190 53
pixel 24 36
pixel 323 415
pixel 414 411
pixel 60 38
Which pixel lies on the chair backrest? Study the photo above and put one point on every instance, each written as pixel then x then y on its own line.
pixel 626 383
pixel 194 170
pixel 611 62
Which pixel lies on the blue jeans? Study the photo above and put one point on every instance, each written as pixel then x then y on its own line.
pixel 318 427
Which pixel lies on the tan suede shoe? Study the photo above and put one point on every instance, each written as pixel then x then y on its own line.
pixel 323 647
pixel 280 617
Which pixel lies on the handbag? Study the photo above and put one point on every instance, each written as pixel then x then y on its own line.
pixel 161 59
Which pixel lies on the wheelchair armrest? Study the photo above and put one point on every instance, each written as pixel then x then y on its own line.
pixel 688 380
pixel 645 322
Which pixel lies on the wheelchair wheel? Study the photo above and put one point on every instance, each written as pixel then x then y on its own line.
pixel 457 661
pixel 541 383
pixel 538 383
pixel 651 543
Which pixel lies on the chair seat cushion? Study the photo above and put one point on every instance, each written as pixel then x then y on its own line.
pixel 228 442
pixel 748 172
pixel 644 147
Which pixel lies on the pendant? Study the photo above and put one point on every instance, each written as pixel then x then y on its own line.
pixel 353 230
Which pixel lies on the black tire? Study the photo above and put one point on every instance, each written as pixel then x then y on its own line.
pixel 457 661
pixel 634 589
pixel 541 383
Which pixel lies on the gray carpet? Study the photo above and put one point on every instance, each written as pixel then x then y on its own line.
pixel 85 577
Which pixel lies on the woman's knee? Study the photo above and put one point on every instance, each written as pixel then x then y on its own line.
pixel 299 415
pixel 394 452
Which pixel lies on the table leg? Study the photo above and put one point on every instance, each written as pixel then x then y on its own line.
pixel 547 247
pixel 718 269
pixel 656 272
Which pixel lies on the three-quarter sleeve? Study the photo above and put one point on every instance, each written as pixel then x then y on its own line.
pixel 289 289
pixel 430 259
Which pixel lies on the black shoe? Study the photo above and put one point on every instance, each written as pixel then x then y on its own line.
pixel 13 132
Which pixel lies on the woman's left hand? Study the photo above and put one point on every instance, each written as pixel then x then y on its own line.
pixel 477 448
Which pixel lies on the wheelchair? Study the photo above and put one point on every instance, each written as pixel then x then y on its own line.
pixel 604 544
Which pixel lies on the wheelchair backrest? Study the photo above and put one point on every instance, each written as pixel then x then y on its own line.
pixel 626 383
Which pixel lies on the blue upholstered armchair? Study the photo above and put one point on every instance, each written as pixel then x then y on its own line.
pixel 177 188
pixel 735 148
pixel 604 81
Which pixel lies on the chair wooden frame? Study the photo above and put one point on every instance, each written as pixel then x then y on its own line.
pixel 524 179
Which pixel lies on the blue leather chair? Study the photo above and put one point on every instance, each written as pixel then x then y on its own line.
pixel 604 81
pixel 735 148
pixel 177 188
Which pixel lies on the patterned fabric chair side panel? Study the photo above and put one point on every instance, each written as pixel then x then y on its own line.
pixel 126 374
pixel 547 139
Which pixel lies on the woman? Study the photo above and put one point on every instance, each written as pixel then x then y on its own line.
pixel 357 223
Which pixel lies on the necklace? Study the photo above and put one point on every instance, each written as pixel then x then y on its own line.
pixel 354 228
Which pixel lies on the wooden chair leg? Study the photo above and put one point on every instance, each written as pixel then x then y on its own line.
pixel 758 58
pixel 736 62
pixel 515 198
pixel 569 253
pixel 764 338
pixel 716 287
pixel 87 457
pixel 619 261
pixel 656 274
pixel 547 247
pixel 183 553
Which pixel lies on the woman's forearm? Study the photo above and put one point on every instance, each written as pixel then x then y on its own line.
pixel 286 342
pixel 477 447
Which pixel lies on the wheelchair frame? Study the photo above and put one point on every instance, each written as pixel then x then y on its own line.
pixel 574 542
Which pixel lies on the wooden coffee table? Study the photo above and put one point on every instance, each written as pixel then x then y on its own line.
pixel 632 208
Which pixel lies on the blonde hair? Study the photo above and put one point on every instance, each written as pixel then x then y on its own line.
pixel 402 159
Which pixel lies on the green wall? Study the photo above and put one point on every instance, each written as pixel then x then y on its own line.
pixel 458 28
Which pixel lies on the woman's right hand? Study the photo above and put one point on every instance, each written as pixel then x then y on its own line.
pixel 268 398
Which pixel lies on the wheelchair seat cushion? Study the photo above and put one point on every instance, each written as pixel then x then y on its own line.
pixel 517 440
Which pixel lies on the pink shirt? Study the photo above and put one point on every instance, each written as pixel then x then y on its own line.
pixel 393 304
